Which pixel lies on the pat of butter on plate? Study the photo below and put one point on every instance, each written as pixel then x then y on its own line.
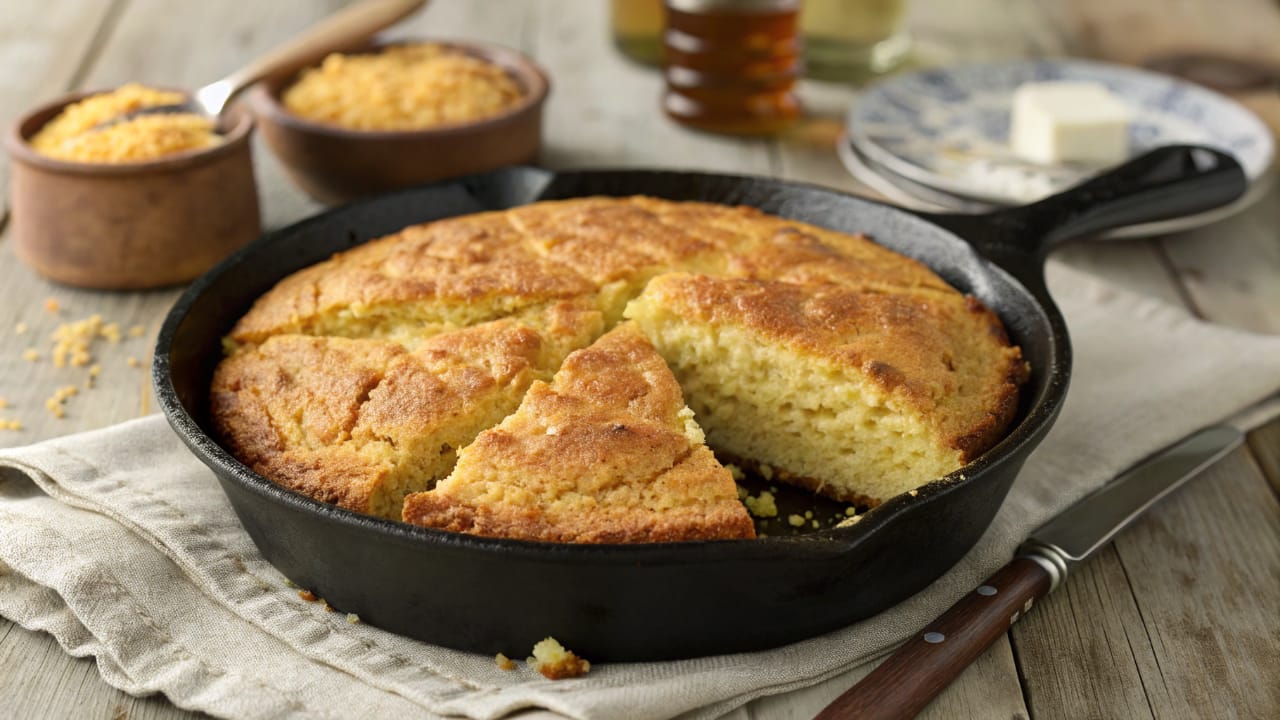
pixel 1069 122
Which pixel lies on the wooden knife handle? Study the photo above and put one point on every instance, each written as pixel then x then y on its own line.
pixel 903 684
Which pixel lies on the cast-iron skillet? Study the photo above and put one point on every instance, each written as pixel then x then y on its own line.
pixel 662 601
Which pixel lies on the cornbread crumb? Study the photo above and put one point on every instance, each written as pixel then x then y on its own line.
pixel 51 304
pixel 3 403
pixel 402 87
pixel 913 493
pixel 761 505
pixel 504 662
pixel 325 604
pixel 353 618
pixel 766 471
pixel 137 331
pixel 289 583
pixel 851 511
pixel 735 471
pixel 849 521
pixel 555 662
pixel 6 424
pixel 73 342
pixel 55 403
pixel 816 524
pixel 795 520
pixel 20 328
pixel 808 514
pixel 307 595
pixel 133 361
pixel 31 355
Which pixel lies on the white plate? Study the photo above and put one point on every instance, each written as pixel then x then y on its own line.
pixel 948 128
pixel 914 195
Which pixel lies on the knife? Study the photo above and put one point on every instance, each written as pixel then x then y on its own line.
pixel 927 662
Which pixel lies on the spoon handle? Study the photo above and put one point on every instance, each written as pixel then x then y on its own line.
pixel 341 30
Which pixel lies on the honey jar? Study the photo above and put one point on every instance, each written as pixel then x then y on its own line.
pixel 731 65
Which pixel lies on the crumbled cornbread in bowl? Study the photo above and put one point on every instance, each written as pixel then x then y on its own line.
pixel 402 87
pixel 83 131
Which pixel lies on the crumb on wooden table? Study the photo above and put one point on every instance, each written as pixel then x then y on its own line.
pixel 555 662
pixel 55 404
pixel 73 341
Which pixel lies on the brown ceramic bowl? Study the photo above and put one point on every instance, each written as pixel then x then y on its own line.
pixel 130 226
pixel 335 164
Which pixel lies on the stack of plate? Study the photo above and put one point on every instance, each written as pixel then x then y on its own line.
pixel 939 139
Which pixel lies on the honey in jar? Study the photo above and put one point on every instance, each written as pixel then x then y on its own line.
pixel 731 65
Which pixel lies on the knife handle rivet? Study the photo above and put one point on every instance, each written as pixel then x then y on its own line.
pixel 933 638
pixel 987 590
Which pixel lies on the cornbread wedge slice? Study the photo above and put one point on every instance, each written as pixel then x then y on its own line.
pixel 606 453
pixel 361 423
pixel 856 394
pixel 423 280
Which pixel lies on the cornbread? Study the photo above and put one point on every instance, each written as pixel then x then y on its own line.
pixel 606 453
pixel 555 662
pixel 854 393
pixel 74 134
pixel 402 87
pixel 362 422
pixel 812 357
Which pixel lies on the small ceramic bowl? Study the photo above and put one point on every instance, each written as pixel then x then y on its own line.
pixel 130 226
pixel 335 164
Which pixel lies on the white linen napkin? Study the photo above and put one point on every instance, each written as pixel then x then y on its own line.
pixel 120 544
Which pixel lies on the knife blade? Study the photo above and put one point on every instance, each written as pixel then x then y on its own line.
pixel 927 662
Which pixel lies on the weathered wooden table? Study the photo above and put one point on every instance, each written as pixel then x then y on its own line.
pixel 1180 617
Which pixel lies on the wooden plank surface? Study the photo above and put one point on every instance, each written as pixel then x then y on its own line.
pixel 45 47
pixel 1124 636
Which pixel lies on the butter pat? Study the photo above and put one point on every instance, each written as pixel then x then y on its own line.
pixel 1055 122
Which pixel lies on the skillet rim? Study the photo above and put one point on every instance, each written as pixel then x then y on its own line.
pixel 1030 428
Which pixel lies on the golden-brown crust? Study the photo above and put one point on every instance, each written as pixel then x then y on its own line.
pixel 936 353
pixel 341 420
pixel 334 418
pixel 599 456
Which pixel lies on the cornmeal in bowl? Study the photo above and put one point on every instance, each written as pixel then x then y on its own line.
pixel 556 350
pixel 402 87
pixel 83 131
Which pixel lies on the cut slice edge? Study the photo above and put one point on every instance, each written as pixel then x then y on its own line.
pixel 797 383
pixel 605 453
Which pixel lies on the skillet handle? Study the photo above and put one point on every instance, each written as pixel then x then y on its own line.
pixel 1167 182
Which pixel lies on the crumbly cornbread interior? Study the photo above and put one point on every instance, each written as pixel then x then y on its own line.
pixel 607 452
pixel 835 363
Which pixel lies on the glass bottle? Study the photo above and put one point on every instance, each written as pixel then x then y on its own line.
pixel 731 65
pixel 853 40
pixel 637 29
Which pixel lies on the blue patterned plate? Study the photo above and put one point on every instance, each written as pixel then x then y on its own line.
pixel 948 128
